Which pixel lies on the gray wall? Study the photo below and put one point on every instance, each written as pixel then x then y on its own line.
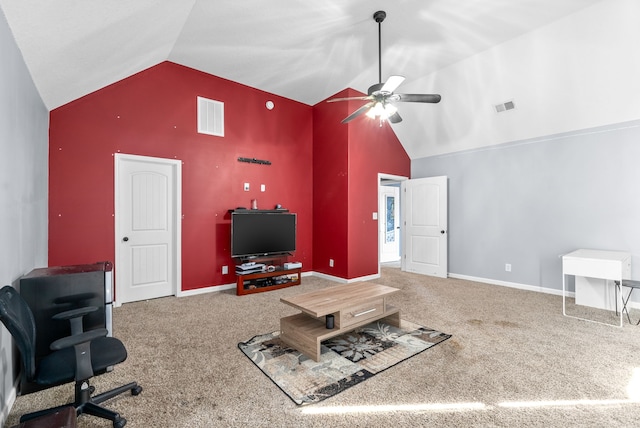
pixel 24 127
pixel 526 203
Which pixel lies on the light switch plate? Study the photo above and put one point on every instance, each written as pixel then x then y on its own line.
pixel 246 187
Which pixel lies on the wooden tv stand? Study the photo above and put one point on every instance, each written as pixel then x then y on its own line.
pixel 352 306
pixel 264 281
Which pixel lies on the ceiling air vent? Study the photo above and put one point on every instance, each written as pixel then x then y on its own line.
pixel 210 117
pixel 509 105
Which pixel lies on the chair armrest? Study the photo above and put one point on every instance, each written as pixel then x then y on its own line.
pixel 74 313
pixel 76 339
pixel 75 317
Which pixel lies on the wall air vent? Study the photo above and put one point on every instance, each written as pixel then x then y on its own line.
pixel 509 105
pixel 210 117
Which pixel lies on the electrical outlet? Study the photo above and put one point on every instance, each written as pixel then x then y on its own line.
pixel 330 262
pixel 507 267
pixel 225 270
pixel 263 187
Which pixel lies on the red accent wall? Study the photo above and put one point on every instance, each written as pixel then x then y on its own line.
pixel 346 161
pixel 324 171
pixel 153 113
pixel 331 187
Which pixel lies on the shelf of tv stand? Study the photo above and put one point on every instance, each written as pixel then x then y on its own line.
pixel 241 279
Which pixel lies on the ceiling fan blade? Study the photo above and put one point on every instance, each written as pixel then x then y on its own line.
pixel 392 83
pixel 416 98
pixel 395 118
pixel 333 100
pixel 358 112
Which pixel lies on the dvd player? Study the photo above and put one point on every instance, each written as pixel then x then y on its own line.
pixel 293 265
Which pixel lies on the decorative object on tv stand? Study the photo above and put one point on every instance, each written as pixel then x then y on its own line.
pixel 293 265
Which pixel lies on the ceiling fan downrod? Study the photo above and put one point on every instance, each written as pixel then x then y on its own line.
pixel 379 16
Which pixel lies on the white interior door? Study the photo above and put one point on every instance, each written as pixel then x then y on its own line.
pixel 424 208
pixel 147 220
pixel 389 223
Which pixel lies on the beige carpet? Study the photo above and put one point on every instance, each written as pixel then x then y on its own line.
pixel 513 360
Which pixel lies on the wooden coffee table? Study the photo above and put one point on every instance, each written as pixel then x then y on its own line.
pixel 352 305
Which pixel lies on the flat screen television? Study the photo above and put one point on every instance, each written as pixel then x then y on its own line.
pixel 255 233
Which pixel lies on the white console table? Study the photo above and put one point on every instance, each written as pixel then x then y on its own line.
pixel 595 273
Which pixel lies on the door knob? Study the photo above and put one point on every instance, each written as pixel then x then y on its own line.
pixel 442 231
pixel 125 239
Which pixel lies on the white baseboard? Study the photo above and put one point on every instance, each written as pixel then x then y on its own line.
pixel 217 288
pixel 345 281
pixel 539 289
pixel 330 277
pixel 8 404
pixel 205 290
pixel 527 287
pixel 511 284
pixel 555 291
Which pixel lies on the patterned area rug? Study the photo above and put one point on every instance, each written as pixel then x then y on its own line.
pixel 346 360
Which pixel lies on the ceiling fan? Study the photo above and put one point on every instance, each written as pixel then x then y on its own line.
pixel 381 97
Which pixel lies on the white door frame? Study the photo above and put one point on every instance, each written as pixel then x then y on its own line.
pixel 388 177
pixel 177 220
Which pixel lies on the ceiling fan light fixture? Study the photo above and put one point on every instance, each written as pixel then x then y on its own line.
pixel 378 110
pixel 390 109
pixel 381 111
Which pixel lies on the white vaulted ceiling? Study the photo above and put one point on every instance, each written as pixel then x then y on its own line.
pixel 302 50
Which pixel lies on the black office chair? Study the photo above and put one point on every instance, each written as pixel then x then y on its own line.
pixel 74 358
pixel 632 284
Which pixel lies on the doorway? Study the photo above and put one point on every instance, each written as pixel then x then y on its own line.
pixel 148 206
pixel 389 220
pixel 422 224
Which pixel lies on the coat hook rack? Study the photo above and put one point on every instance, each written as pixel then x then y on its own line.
pixel 254 160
